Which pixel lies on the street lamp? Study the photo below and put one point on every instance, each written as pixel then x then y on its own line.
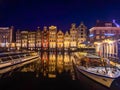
pixel 5 40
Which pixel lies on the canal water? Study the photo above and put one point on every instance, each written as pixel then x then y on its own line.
pixel 54 70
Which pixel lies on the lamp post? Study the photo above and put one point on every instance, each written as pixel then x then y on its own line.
pixel 5 40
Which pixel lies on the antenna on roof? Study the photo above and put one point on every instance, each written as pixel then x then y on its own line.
pixel 117 25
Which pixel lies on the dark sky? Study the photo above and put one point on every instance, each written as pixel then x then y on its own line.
pixel 28 14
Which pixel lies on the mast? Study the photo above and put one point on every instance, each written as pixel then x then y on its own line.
pixel 104 64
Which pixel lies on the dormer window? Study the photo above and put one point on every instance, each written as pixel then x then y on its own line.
pixel 81 29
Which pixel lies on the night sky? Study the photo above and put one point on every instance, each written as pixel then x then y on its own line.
pixel 28 14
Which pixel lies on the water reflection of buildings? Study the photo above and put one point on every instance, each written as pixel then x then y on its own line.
pixel 44 63
pixel 60 62
pixel 67 60
pixel 52 64
pixel 55 62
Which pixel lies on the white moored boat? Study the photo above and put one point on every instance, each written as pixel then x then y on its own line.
pixel 94 68
pixel 12 58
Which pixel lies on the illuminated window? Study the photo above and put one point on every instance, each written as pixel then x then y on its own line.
pixel 82 40
pixel 97 32
pixel 97 37
pixel 102 37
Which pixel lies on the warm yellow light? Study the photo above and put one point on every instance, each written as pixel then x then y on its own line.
pixel 98 43
pixel 108 41
pixel 12 44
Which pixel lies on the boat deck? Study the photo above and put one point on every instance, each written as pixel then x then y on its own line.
pixel 111 72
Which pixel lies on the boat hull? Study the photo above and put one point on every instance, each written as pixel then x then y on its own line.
pixel 14 62
pixel 100 79
pixel 7 69
pixel 94 79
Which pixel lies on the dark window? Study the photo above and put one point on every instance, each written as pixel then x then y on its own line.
pixel 81 29
pixel 81 36
pixel 82 26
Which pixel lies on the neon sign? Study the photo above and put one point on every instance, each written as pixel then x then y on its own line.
pixel 109 34
pixel 91 35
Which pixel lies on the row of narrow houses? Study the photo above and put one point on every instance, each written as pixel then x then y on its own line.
pixel 52 38
pixel 104 36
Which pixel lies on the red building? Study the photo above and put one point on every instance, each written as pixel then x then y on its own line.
pixel 45 38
